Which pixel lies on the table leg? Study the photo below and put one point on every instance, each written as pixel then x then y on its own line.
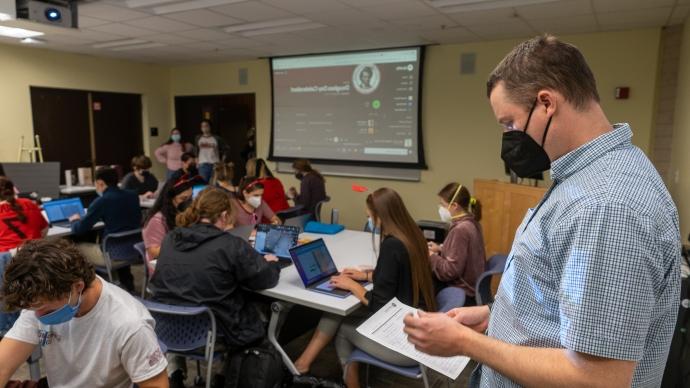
pixel 279 311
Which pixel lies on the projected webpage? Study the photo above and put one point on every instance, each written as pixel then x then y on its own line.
pixel 352 106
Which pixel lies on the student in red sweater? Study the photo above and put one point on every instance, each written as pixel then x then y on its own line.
pixel 460 259
pixel 274 193
pixel 20 219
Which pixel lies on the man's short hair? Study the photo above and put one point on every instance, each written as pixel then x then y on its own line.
pixel 44 270
pixel 544 62
pixel 107 175
pixel 141 162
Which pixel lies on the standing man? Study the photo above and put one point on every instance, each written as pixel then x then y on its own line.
pixel 590 292
pixel 210 149
pixel 91 332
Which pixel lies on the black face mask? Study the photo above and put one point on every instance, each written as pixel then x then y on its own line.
pixel 522 154
pixel 299 175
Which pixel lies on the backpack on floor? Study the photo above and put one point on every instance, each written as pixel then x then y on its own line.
pixel 256 366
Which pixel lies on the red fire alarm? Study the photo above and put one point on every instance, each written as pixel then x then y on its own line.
pixel 622 93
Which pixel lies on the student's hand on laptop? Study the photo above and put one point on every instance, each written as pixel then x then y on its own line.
pixel 344 282
pixel 270 258
pixel 355 274
pixel 74 217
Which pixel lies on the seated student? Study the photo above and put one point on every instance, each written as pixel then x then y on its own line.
pixel 173 199
pixel 223 174
pixel 188 167
pixel 460 259
pixel 201 264
pixel 171 152
pixel 140 180
pixel 91 333
pixel 20 219
pixel 274 192
pixel 312 186
pixel 2 175
pixel 250 208
pixel 118 209
pixel 402 271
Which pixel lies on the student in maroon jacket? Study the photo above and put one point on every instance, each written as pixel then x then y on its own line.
pixel 460 259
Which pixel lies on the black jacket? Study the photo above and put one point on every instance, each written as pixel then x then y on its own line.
pixel 392 276
pixel 203 265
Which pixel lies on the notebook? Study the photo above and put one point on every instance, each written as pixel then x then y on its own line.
pixel 316 267
pixel 59 211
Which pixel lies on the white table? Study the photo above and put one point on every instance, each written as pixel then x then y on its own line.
pixel 71 190
pixel 349 249
pixel 61 231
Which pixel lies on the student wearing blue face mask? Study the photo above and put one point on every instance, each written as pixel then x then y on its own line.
pixel 170 153
pixel 91 333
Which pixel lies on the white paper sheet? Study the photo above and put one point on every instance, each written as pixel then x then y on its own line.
pixel 386 328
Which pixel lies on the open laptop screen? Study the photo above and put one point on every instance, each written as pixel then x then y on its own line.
pixel 276 239
pixel 62 209
pixel 313 262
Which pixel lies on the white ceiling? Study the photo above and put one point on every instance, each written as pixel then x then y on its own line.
pixel 198 36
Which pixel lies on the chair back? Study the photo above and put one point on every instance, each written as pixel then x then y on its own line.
pixel 317 208
pixel 494 266
pixel 450 298
pixel 496 262
pixel 290 212
pixel 120 246
pixel 141 249
pixel 183 328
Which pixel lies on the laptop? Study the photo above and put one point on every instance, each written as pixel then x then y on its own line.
pixel 59 211
pixel 276 240
pixel 316 266
pixel 196 189
pixel 242 231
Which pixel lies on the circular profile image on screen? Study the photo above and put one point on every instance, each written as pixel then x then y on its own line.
pixel 366 78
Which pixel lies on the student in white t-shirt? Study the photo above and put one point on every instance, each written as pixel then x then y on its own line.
pixel 210 149
pixel 91 332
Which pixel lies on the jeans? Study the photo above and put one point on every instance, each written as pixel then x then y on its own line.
pixel 206 170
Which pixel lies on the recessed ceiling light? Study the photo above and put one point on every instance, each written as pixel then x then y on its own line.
pixel 117 43
pixel 20 33
pixel 481 5
pixel 268 24
pixel 146 3
pixel 191 5
pixel 278 30
pixel 32 41
pixel 138 46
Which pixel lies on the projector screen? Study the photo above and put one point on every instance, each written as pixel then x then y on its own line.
pixel 349 108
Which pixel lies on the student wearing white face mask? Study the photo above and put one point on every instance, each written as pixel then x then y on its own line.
pixel 250 208
pixel 461 258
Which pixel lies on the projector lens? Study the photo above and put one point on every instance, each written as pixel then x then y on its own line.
pixel 53 14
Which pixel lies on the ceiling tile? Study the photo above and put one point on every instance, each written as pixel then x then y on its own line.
pixel 203 18
pixel 622 5
pixel 160 24
pixel 424 23
pixel 369 3
pixel 450 35
pixel 401 10
pixel 169 38
pixel 565 24
pixel 306 6
pixel 68 40
pixel 87 21
pixel 653 17
pixel 122 29
pixel 109 12
pixel 510 29
pixel 203 46
pixel 345 17
pixel 237 43
pixel 204 34
pixel 96 36
pixel 556 9
pixel 489 18
pixel 252 11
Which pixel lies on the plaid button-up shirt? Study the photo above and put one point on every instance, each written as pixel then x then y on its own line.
pixel 595 267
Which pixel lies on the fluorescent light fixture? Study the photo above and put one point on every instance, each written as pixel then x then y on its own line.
pixel 138 46
pixel 5 17
pixel 191 5
pixel 268 24
pixel 146 3
pixel 20 33
pixel 482 5
pixel 32 41
pixel 117 43
pixel 278 30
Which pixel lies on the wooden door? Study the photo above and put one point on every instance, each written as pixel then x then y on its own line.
pixel 117 128
pixel 61 119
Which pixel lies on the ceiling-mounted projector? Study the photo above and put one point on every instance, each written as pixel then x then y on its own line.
pixel 53 12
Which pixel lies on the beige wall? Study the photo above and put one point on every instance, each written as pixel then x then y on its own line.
pixel 462 140
pixel 22 67
pixel 679 179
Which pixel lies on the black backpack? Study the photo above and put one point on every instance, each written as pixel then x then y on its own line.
pixel 257 366
pixel 677 373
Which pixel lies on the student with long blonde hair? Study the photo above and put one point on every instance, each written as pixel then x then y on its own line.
pixel 402 271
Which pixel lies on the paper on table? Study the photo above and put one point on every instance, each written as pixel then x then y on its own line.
pixel 386 328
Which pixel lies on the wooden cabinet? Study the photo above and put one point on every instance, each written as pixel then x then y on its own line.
pixel 503 207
